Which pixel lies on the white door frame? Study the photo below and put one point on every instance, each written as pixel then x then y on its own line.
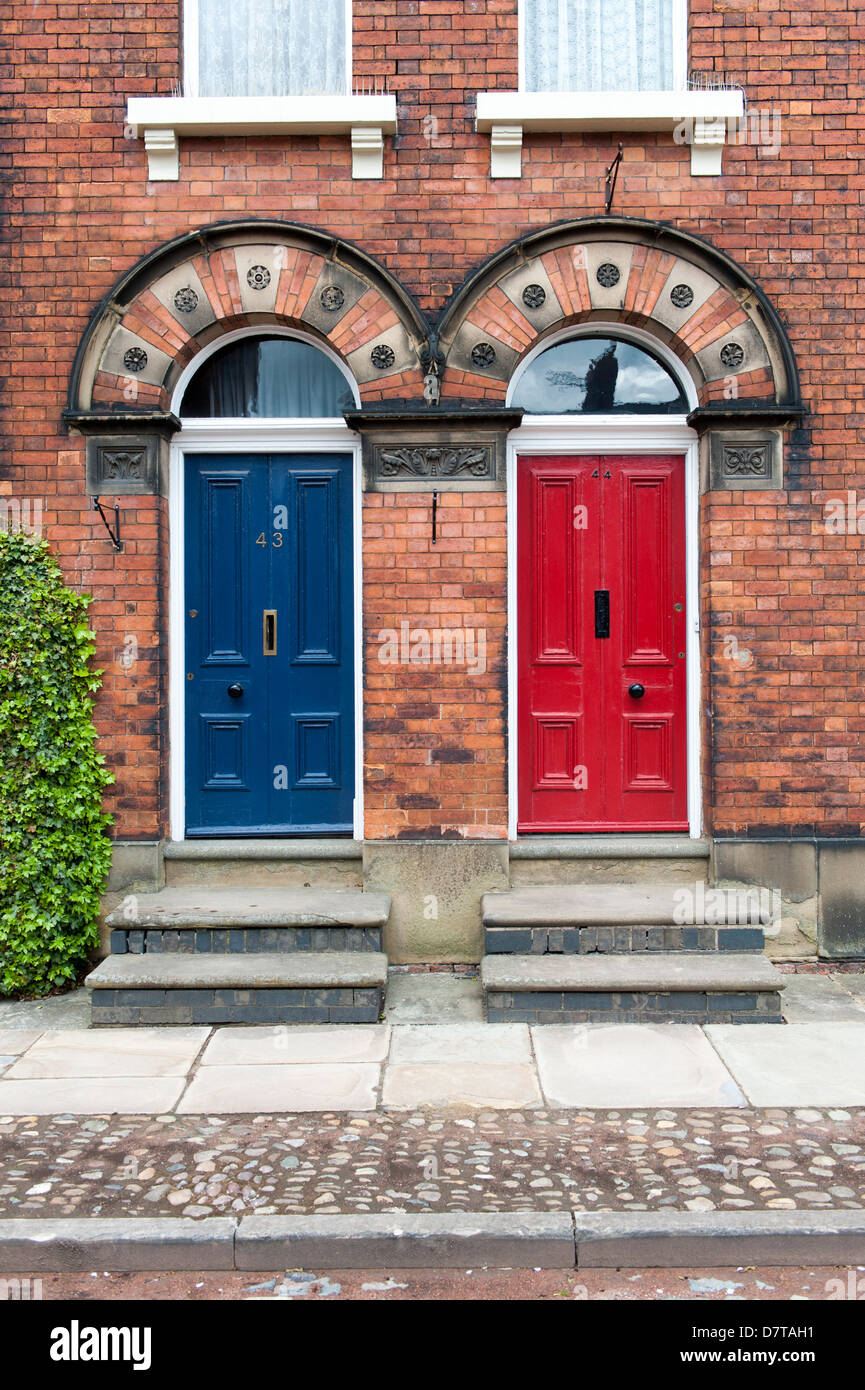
pixel 613 434
pixel 225 436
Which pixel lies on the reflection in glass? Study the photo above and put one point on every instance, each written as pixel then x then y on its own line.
pixel 600 376
pixel 276 377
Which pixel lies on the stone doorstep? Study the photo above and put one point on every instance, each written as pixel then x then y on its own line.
pixel 287 970
pixel 635 973
pixel 270 850
pixel 609 847
pixel 252 906
pixel 397 1240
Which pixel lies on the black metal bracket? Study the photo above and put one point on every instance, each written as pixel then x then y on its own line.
pixel 434 509
pixel 612 175
pixel 115 534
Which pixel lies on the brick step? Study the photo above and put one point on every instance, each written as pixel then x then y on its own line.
pixel 548 859
pixel 253 919
pixel 619 940
pixel 296 863
pixel 685 987
pixel 296 987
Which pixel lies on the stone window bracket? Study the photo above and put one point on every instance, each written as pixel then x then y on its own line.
pixel 699 119
pixel 163 121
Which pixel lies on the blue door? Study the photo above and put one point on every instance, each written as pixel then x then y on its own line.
pixel 269 645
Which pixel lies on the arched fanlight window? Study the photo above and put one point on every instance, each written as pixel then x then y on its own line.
pixel 600 376
pixel 268 377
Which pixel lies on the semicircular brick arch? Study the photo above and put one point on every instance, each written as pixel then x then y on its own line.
pixel 692 298
pixel 182 297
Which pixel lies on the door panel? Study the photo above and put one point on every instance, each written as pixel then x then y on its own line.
pixel 560 712
pixel 602 630
pixel 269 608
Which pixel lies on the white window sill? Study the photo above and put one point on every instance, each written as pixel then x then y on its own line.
pixel 162 120
pixel 699 119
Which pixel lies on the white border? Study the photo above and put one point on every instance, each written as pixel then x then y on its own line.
pixel 190 48
pixel 680 44
pixel 251 436
pixel 613 434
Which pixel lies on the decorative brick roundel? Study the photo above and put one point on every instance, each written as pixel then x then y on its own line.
pixel 682 296
pixel 135 359
pixel 483 354
pixel 382 356
pixel 732 355
pixel 258 277
pixel 332 298
pixel 186 300
pixel 534 296
pixel 608 275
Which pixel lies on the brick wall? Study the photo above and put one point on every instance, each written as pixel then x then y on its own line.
pixel 435 728
pixel 786 728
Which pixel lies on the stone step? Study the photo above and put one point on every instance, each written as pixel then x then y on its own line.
pixel 295 863
pixel 298 987
pixel 549 859
pixel 626 904
pixel 687 987
pixel 253 919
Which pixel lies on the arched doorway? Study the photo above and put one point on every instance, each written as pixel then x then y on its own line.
pixel 264 628
pixel 603 537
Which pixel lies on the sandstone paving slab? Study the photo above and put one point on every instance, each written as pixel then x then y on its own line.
pixel 496 1086
pixel 435 1159
pixel 264 1046
pixel 631 1065
pixel 821 999
pixel 118 1052
pixel 433 998
pixel 14 1041
pixel 852 983
pixel 806 1064
pixel 90 1095
pixel 70 1010
pixel 224 1090
pixel 467 1043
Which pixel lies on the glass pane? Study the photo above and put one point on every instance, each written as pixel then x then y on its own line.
pixel 275 377
pixel 598 376
pixel 271 48
pixel 598 45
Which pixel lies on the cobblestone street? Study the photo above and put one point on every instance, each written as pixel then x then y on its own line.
pixel 539 1160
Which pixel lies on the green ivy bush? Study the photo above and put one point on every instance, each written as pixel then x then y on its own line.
pixel 54 853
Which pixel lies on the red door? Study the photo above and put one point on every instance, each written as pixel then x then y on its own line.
pixel 602 743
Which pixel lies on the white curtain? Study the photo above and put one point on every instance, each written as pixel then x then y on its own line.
pixel 598 45
pixel 271 48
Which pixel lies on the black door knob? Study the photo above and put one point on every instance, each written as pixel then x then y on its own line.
pixel 235 690
pixel 636 691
